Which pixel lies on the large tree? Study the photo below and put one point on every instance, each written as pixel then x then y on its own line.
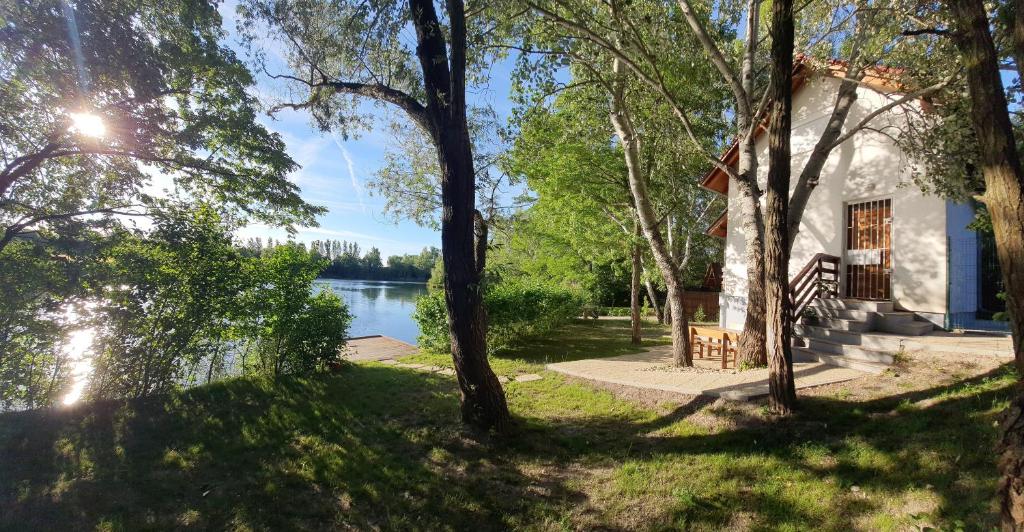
pixel 85 122
pixel 343 51
pixel 635 112
pixel 1004 198
pixel 781 390
pixel 564 154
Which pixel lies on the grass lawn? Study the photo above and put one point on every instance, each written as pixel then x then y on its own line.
pixel 379 446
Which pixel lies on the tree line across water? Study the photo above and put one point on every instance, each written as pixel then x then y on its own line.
pixel 345 260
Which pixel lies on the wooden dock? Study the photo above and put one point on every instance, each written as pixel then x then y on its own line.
pixel 377 347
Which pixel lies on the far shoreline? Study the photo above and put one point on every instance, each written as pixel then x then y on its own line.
pixel 325 277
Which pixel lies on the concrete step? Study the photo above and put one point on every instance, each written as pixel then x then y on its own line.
pixel 853 304
pixel 803 354
pixel 859 315
pixel 840 324
pixel 881 342
pixel 855 352
pixel 894 317
pixel 908 328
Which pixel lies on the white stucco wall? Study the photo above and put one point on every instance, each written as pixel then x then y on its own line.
pixel 865 167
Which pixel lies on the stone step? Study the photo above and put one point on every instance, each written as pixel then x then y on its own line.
pixel 855 352
pixel 908 328
pixel 894 317
pixel 803 354
pixel 853 304
pixel 840 324
pixel 841 313
pixel 881 342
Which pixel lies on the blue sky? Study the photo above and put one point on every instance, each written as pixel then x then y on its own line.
pixel 335 171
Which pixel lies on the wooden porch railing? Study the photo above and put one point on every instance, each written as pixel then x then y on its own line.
pixel 819 278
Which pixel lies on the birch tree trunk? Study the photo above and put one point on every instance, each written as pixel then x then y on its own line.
pixel 652 295
pixel 752 350
pixel 781 390
pixel 634 291
pixel 622 122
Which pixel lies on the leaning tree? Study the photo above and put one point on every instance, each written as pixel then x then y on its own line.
pixel 340 52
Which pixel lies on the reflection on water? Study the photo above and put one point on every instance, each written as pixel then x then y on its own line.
pixel 379 307
pixel 78 351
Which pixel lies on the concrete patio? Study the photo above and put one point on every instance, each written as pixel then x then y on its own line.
pixel 653 369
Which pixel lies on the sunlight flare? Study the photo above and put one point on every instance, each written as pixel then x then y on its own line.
pixel 88 124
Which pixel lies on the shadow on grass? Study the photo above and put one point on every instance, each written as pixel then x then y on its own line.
pixel 587 339
pixel 371 447
pixel 381 447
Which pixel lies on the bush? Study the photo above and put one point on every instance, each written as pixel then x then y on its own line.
pixel 294 331
pixel 515 310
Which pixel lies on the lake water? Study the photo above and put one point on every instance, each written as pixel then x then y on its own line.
pixel 379 307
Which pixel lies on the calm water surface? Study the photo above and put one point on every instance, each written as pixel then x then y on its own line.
pixel 379 307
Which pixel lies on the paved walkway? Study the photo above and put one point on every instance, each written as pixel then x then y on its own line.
pixel 367 348
pixel 968 343
pixel 654 370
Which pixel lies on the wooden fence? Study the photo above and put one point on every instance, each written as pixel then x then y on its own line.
pixel 692 300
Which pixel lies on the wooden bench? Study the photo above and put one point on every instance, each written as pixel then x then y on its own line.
pixel 707 340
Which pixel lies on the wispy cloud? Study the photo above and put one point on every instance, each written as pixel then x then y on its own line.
pixel 351 171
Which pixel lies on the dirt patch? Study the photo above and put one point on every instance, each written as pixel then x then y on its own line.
pixel 917 370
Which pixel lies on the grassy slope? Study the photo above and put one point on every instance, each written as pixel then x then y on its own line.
pixel 381 446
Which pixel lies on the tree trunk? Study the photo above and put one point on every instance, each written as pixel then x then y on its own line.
pixel 622 121
pixel 781 390
pixel 810 175
pixel 1000 163
pixel 634 290
pixel 1011 466
pixel 752 350
pixel 1004 197
pixel 483 400
pixel 652 295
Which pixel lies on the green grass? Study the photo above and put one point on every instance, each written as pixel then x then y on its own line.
pixel 576 341
pixel 378 446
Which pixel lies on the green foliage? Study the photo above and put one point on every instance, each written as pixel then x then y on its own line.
pixel 34 289
pixel 699 316
pixel 293 331
pixel 626 311
pixel 159 311
pixel 516 310
pixel 436 281
pixel 168 305
pixel 173 100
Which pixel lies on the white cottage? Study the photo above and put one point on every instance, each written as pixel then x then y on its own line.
pixel 906 262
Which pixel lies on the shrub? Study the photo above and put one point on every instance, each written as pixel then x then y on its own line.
pixel 698 315
pixel 294 331
pixel 515 310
